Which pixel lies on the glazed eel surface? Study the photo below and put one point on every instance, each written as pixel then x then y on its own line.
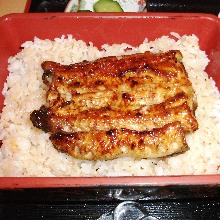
pixel 140 105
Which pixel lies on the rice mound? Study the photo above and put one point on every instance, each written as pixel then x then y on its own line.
pixel 27 151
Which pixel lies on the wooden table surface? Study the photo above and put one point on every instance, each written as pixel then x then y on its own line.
pixel 12 6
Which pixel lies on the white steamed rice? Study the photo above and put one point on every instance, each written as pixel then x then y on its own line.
pixel 27 151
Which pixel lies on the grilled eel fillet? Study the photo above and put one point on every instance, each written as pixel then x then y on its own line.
pixel 108 145
pixel 155 116
pixel 145 101
pixel 130 81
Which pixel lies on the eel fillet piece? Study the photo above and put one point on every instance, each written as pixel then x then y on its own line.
pixel 108 145
pixel 140 105
pixel 132 80
pixel 130 99
pixel 155 116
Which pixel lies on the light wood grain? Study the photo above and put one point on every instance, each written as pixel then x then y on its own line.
pixel 12 6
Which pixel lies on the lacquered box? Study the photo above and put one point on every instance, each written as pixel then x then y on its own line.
pixel 101 28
